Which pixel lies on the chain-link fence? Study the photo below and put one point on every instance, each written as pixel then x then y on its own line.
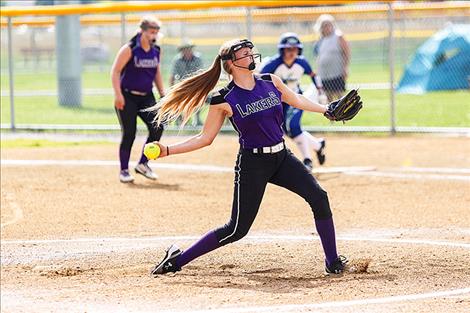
pixel 366 29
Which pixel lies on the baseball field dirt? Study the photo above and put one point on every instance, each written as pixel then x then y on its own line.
pixel 75 239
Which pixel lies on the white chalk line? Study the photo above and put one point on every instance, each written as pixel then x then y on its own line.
pixel 335 304
pixel 448 170
pixel 277 238
pixel 349 170
pixel 159 165
pixel 279 308
pixel 173 166
pixel 410 176
pixel 250 238
pixel 17 211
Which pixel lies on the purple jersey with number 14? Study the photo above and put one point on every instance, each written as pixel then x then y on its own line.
pixel 257 113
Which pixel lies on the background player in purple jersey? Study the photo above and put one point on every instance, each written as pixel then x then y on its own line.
pixel 135 70
pixel 253 104
pixel 290 65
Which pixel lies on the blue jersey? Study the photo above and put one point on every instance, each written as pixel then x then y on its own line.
pixel 257 113
pixel 139 73
pixel 290 75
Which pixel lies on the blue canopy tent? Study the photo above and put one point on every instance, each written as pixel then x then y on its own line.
pixel 441 63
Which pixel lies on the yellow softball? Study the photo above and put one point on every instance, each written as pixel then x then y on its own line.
pixel 152 151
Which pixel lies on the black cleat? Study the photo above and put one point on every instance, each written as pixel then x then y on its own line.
pixel 337 267
pixel 308 164
pixel 321 152
pixel 168 264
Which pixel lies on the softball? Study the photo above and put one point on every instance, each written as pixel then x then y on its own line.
pixel 152 151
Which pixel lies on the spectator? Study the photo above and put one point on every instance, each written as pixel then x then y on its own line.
pixel 186 64
pixel 333 56
pixel 290 65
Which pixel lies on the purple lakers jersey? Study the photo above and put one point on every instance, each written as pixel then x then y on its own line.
pixel 139 73
pixel 257 113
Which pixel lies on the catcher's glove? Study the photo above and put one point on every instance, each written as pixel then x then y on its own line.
pixel 344 108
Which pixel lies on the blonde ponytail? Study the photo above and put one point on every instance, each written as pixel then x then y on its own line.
pixel 188 96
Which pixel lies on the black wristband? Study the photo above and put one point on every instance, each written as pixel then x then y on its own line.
pixel 167 150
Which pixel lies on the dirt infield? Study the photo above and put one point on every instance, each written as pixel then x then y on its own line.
pixel 74 239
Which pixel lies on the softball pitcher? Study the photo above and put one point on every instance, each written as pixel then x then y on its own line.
pixel 253 104
pixel 135 69
pixel 290 66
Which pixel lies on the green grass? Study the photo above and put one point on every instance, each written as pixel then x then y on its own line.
pixel 368 64
pixel 45 110
pixel 370 73
pixel 48 81
pixel 411 110
pixel 446 108
pixel 37 143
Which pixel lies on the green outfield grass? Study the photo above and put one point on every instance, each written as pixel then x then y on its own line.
pixel 447 108
pixel 365 73
pixel 36 143
pixel 376 73
pixel 368 65
pixel 439 109
pixel 48 81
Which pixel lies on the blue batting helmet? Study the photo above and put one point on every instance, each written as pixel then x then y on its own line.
pixel 288 40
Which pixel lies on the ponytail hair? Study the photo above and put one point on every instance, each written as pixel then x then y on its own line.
pixel 189 95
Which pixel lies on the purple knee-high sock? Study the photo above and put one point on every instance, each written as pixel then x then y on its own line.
pixel 326 231
pixel 143 158
pixel 206 244
pixel 124 156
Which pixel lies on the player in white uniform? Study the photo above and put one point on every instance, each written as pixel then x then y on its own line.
pixel 290 66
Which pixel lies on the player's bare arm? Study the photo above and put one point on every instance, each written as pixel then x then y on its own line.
pixel 214 121
pixel 121 60
pixel 159 81
pixel 296 100
pixel 346 50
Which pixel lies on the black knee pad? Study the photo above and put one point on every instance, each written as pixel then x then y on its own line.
pixel 321 206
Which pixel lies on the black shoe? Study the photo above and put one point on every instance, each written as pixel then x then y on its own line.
pixel 308 164
pixel 321 153
pixel 168 264
pixel 337 267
